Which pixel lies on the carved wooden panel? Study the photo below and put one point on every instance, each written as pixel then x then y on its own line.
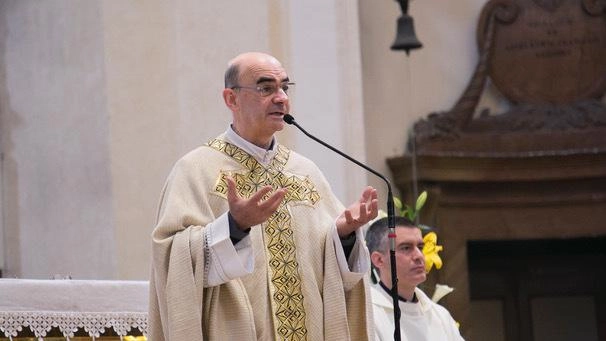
pixel 504 198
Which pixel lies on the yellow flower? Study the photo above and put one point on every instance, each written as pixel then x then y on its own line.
pixel 135 338
pixel 430 251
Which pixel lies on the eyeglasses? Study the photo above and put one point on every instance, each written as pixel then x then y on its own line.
pixel 267 89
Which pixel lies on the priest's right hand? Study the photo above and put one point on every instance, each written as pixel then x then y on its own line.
pixel 254 210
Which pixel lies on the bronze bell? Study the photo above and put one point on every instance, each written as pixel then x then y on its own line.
pixel 405 39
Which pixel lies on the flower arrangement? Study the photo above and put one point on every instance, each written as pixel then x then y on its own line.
pixel 430 240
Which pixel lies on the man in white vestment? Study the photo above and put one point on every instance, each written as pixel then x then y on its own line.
pixel 421 319
pixel 250 241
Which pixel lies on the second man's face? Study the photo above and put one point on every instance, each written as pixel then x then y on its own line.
pixel 410 261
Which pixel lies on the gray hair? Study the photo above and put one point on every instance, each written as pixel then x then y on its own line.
pixel 231 75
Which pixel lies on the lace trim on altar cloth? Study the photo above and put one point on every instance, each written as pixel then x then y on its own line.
pixel 95 324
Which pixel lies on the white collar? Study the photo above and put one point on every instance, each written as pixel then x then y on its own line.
pixel 262 155
pixel 381 298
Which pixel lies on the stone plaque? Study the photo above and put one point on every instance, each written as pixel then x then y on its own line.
pixel 547 51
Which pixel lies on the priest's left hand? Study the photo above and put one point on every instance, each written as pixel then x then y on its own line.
pixel 358 213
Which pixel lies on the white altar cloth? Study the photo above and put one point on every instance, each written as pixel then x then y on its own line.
pixel 69 305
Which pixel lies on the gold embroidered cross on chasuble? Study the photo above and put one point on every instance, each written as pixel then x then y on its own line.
pixel 287 303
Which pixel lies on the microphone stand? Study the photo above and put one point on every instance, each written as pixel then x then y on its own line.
pixel 391 223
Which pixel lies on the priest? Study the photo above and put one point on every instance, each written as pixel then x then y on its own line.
pixel 250 241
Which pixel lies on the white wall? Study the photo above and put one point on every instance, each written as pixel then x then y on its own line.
pixel 57 187
pixel 399 89
pixel 2 247
pixel 99 99
pixel 326 63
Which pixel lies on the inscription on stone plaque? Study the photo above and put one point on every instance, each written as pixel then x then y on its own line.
pixel 548 57
pixel 548 51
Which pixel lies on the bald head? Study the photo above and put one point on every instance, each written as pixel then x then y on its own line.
pixel 246 62
pixel 256 87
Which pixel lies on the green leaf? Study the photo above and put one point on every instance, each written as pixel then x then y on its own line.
pixel 410 213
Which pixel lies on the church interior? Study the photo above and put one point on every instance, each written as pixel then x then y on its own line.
pixel 495 108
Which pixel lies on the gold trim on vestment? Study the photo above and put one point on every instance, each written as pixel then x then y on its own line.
pixel 287 303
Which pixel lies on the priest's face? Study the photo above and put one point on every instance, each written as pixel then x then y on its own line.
pixel 410 262
pixel 260 100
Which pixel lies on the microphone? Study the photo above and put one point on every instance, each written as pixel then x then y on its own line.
pixel 391 221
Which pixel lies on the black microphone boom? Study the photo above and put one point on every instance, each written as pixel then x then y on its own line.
pixel 291 120
pixel 391 221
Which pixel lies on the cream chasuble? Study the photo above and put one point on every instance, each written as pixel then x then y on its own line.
pixel 296 290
